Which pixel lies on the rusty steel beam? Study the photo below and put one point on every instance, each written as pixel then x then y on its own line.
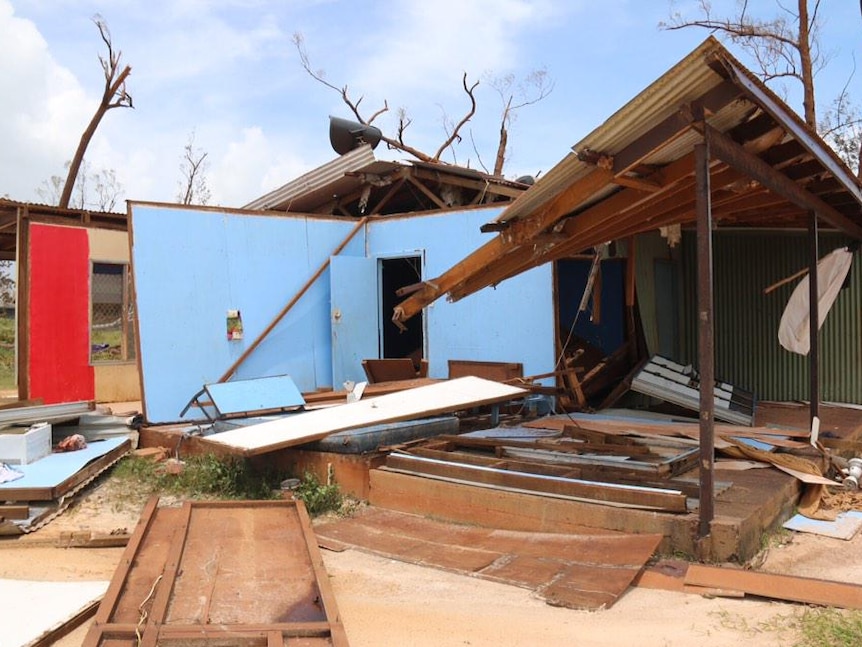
pixel 705 338
pixel 728 151
pixel 813 320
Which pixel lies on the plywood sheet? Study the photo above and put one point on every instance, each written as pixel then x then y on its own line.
pixel 296 429
pixel 30 610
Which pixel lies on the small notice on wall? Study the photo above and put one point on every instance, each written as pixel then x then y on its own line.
pixel 234 325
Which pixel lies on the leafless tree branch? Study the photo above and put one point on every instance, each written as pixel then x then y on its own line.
pixel 786 46
pixel 534 88
pixel 472 111
pixel 193 187
pixel 114 95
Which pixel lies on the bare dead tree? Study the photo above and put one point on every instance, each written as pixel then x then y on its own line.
pixel 98 190
pixel 789 47
pixel 841 128
pixel 108 189
pixel 514 96
pixel 786 46
pixel 193 188
pixel 397 142
pixel 114 96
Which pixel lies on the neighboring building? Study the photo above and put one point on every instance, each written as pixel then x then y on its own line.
pixel 75 324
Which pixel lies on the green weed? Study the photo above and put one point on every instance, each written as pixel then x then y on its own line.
pixel 828 627
pixel 7 352
pixel 202 477
pixel 318 497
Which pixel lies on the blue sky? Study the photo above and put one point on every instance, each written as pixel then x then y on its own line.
pixel 228 71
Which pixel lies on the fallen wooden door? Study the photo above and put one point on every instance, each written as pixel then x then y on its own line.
pixel 243 573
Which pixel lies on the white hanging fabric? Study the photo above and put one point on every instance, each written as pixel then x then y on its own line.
pixel 793 331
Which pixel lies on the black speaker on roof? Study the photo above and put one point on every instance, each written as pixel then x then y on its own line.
pixel 345 135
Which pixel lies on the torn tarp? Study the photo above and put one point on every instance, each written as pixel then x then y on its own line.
pixel 793 331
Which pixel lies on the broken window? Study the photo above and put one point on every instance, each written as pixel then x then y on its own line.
pixel 112 332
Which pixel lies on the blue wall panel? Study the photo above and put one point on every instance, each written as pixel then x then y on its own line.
pixel 191 266
pixel 513 322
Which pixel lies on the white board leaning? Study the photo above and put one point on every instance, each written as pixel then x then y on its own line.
pixel 295 429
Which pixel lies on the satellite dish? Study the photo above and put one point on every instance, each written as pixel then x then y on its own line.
pixel 345 135
pixel 526 179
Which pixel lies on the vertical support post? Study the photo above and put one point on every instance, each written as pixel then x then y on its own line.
pixel 630 289
pixel 22 304
pixel 705 336
pixel 813 320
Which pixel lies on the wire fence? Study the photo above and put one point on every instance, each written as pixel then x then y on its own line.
pixel 112 336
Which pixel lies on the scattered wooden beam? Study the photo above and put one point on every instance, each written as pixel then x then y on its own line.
pixel 778 587
pixel 608 493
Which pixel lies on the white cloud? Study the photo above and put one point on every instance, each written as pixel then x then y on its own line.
pixel 43 109
pixel 227 70
pixel 251 166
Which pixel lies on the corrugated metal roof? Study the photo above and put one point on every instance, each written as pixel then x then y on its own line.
pixel 684 82
pixel 635 172
pixel 315 180
pixel 350 173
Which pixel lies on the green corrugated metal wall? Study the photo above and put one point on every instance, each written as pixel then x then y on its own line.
pixel 746 321
pixel 650 248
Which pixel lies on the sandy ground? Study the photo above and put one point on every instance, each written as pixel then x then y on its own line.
pixel 385 602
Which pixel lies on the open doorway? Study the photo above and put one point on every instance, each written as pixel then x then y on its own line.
pixel 397 273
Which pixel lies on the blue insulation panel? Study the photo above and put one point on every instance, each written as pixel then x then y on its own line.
pixel 191 266
pixel 257 394
pixel 55 468
pixel 845 526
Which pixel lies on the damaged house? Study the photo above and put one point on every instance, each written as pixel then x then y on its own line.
pixel 630 195
pixel 313 291
pixel 594 268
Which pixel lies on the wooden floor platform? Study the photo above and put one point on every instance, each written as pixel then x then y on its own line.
pixel 748 503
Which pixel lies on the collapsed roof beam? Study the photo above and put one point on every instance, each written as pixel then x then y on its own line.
pixel 731 153
pixel 498 247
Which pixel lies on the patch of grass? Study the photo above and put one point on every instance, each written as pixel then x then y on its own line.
pixel 202 477
pixel 7 352
pixel 318 497
pixel 827 627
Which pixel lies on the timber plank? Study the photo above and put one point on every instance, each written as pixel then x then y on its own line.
pixel 620 424
pixel 779 587
pixel 14 511
pixel 631 496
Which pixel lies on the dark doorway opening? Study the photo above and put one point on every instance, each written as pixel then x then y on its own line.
pixel 397 273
